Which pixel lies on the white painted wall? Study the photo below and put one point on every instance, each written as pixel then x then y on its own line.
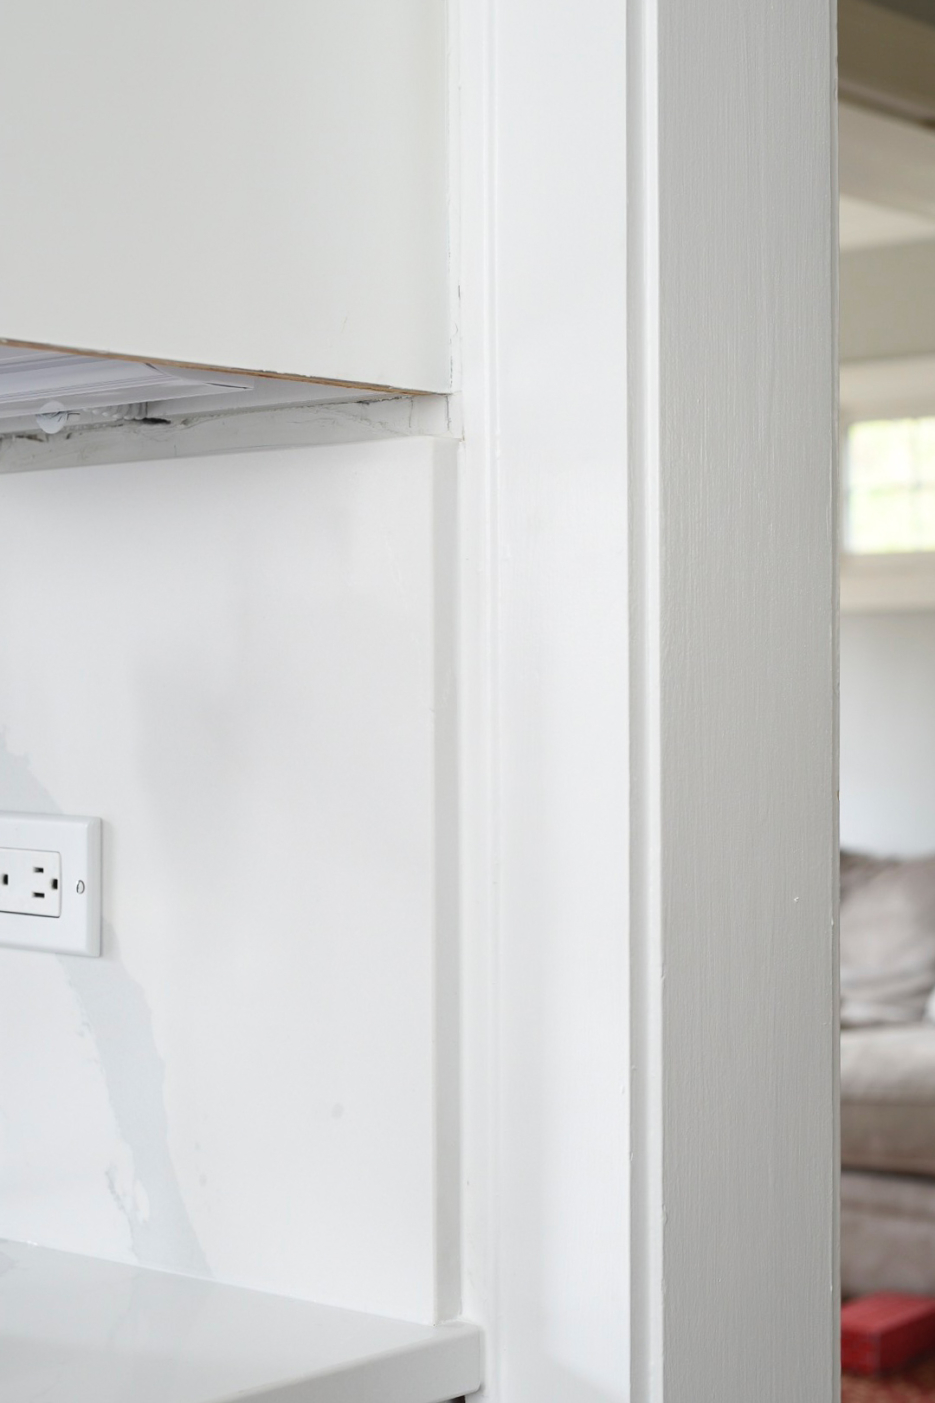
pixel 888 732
pixel 239 663
pixel 888 302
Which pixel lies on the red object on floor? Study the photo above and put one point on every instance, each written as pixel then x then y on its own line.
pixel 886 1331
pixel 913 1385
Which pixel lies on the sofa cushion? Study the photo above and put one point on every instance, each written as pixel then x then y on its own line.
pixel 887 939
pixel 888 1099
pixel 887 1233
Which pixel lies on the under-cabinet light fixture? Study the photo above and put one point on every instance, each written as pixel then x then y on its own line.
pixel 51 386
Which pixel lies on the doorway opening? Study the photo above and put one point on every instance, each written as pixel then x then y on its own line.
pixel 887 654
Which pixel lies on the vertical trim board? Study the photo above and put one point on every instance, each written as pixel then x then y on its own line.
pixel 545 754
pixel 734 874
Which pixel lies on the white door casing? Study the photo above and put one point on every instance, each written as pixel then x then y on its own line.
pixel 649 699
pixel 734 741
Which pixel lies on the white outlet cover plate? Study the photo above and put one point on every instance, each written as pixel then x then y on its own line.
pixel 77 931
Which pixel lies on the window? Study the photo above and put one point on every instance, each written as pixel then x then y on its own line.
pixel 889 504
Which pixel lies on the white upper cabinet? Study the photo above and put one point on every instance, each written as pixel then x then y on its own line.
pixel 250 185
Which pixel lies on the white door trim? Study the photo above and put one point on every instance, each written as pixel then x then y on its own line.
pixel 681 569
pixel 733 720
pixel 544 695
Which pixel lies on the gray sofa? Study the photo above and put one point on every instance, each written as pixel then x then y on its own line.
pixel 887 1075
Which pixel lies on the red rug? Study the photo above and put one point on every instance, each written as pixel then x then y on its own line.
pixel 915 1385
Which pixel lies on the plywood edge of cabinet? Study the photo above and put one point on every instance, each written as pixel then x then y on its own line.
pixel 363 386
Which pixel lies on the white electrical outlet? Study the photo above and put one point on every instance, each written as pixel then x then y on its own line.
pixel 30 883
pixel 50 883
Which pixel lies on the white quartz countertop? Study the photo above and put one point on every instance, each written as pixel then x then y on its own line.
pixel 78 1330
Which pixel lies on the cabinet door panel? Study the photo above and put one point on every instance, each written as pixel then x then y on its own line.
pixel 259 186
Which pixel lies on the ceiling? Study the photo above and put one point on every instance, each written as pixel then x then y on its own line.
pixel 922 10
pixel 886 56
pixel 867 224
pixel 886 171
pixel 887 224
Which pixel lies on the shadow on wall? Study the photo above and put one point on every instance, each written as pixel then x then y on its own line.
pixel 84 1030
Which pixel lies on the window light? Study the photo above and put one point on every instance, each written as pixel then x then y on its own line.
pixel 889 499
